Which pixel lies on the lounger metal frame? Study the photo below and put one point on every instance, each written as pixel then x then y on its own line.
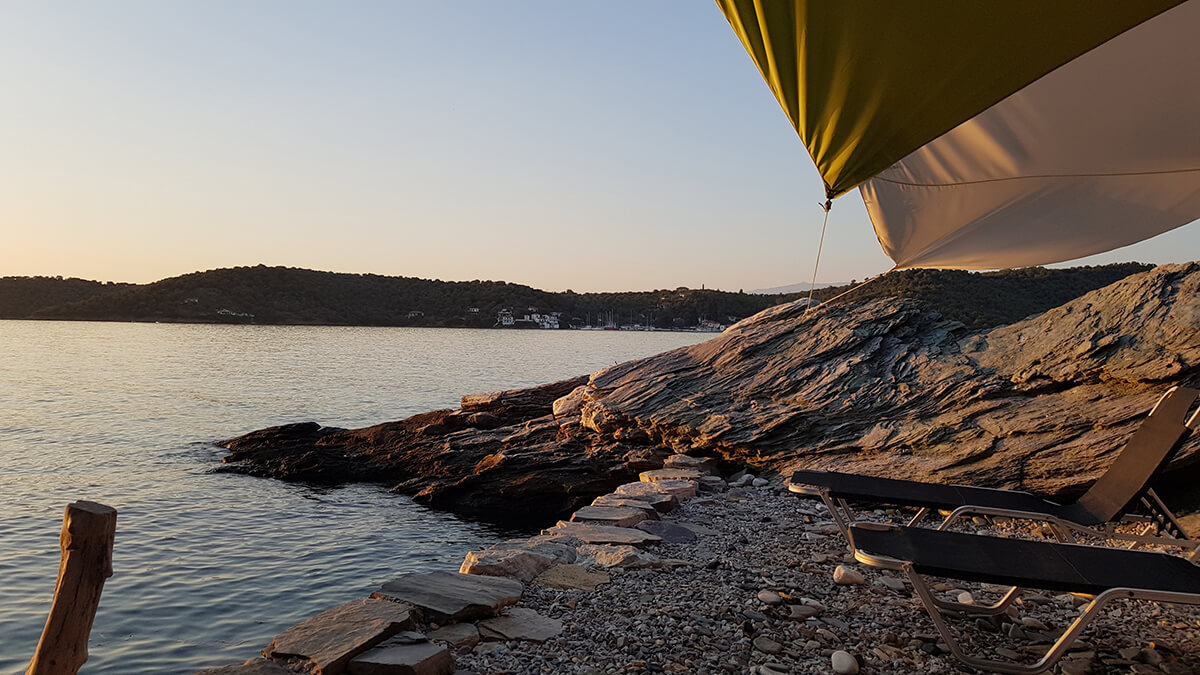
pixel 1157 517
pixel 936 606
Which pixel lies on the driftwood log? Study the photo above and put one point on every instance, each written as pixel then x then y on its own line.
pixel 87 544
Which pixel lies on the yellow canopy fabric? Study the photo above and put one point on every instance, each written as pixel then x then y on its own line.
pixel 867 82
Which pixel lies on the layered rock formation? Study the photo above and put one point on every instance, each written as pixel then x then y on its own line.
pixel 884 387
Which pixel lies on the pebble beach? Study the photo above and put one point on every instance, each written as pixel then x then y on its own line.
pixel 754 592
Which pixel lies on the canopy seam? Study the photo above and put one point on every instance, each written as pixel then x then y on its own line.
pixel 1039 177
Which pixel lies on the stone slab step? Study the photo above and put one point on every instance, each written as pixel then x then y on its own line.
pixel 332 638
pixel 600 534
pixel 461 634
pixel 617 516
pixel 670 532
pixel 571 577
pixel 516 563
pixel 520 623
pixel 403 657
pixel 671 474
pixel 629 502
pixel 706 465
pixel 449 597
pixel 712 484
pixel 663 502
pixel 679 489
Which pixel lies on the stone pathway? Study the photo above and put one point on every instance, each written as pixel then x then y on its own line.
pixel 683 573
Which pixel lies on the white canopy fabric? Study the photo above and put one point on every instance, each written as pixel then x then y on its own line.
pixel 1100 153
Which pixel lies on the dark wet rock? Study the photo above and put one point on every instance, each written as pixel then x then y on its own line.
pixel 510 467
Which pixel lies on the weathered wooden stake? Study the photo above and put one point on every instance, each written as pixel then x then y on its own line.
pixel 87 544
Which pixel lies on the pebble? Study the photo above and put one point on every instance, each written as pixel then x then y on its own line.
pixel 802 611
pixel 844 663
pixel 770 597
pixel 1030 622
pixel 765 644
pixel 847 576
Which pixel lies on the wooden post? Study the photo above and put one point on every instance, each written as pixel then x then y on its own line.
pixel 87 544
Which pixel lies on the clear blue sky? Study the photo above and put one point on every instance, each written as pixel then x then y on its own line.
pixel 593 146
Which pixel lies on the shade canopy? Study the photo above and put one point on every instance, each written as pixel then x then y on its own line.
pixel 992 134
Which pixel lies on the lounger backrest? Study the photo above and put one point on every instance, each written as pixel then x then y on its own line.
pixel 1150 449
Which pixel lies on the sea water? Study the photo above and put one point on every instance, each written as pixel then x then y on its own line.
pixel 209 567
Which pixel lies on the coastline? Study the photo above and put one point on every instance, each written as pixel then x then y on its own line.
pixel 745 578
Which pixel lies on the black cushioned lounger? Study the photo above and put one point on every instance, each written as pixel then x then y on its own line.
pixel 1126 486
pixel 1066 568
pixel 1106 573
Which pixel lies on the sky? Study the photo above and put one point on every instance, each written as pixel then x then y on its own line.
pixel 608 146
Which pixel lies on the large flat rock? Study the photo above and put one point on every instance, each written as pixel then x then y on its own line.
pixel 452 597
pixel 330 639
pixel 520 623
pixel 617 516
pixel 403 657
pixel 600 534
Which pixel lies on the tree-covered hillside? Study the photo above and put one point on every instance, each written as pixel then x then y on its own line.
pixel 284 295
pixel 20 297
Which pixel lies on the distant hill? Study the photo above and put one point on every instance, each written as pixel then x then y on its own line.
pixel 801 287
pixel 21 297
pixel 285 295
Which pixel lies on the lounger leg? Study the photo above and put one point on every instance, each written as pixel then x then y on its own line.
pixel 835 512
pixel 924 511
pixel 1165 519
pixel 1041 665
pixel 980 610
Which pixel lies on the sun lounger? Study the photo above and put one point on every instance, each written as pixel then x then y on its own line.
pixel 1124 488
pixel 1105 574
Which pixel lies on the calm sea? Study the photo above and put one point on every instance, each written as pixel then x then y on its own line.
pixel 208 567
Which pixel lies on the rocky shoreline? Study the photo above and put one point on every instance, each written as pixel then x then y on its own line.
pixel 687 575
pixel 884 387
